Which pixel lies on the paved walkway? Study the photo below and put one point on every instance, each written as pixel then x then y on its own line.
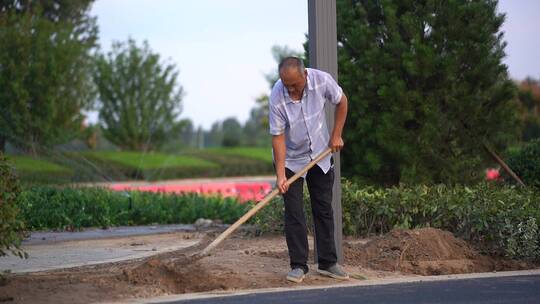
pixel 55 250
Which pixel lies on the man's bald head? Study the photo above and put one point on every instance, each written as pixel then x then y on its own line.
pixel 291 63
pixel 293 76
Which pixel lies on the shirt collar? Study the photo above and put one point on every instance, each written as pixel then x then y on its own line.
pixel 309 84
pixel 288 99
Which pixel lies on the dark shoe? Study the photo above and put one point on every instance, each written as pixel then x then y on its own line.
pixel 335 271
pixel 296 275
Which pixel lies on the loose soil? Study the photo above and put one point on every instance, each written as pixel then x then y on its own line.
pixel 246 262
pixel 426 251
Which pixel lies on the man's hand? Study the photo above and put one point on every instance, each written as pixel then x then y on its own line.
pixel 278 144
pixel 281 183
pixel 336 143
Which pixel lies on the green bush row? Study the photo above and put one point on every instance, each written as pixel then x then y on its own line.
pixel 504 220
pixel 526 163
pixel 75 208
pixel 231 164
pixel 141 166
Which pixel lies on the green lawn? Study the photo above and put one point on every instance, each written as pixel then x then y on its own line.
pixel 264 154
pixel 132 165
pixel 147 161
pixel 26 163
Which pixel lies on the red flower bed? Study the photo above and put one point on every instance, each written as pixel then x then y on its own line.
pixel 244 191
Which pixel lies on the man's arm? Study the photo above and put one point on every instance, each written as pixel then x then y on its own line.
pixel 336 141
pixel 278 144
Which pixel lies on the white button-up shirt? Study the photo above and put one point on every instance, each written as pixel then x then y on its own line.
pixel 304 121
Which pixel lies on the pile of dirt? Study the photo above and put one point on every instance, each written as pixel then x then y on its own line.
pixel 172 277
pixel 425 251
pixel 169 273
pixel 177 272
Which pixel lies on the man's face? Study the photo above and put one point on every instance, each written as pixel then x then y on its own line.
pixel 294 81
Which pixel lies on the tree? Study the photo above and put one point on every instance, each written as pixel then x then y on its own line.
pixel 256 127
pixel 73 11
pixel 188 133
pixel 426 85
pixel 45 62
pixel 232 132
pixel 199 138
pixel 529 99
pixel 214 137
pixel 139 97
pixel 186 137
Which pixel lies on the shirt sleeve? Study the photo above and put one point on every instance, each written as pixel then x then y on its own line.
pixel 276 115
pixel 333 91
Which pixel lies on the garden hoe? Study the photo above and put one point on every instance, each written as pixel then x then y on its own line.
pixel 206 251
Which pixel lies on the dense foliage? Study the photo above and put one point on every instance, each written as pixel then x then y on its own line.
pixel 45 62
pixel 11 225
pixel 529 99
pixel 72 208
pixel 426 85
pixel 501 220
pixel 525 161
pixel 140 99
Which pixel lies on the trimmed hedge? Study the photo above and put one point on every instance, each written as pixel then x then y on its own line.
pixel 148 166
pixel 526 163
pixel 504 220
pixel 76 208
pixel 262 154
pixel 235 162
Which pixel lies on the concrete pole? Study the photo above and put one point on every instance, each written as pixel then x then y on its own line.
pixel 323 56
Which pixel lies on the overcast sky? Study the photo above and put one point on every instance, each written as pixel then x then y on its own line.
pixel 222 48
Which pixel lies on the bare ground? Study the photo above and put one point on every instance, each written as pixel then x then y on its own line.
pixel 245 262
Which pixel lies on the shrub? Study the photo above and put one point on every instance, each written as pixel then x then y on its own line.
pixel 149 166
pixel 76 208
pixel 270 219
pixel 521 240
pixel 526 163
pixel 237 162
pixel 502 219
pixel 11 226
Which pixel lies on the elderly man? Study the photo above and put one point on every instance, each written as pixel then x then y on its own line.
pixel 299 134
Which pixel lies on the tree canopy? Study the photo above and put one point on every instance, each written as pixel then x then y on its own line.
pixel 529 99
pixel 139 97
pixel 45 61
pixel 426 85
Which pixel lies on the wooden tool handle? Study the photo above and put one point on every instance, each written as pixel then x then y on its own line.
pixel 261 204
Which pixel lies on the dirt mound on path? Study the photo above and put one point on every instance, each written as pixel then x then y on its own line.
pixel 179 272
pixel 173 277
pixel 425 251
